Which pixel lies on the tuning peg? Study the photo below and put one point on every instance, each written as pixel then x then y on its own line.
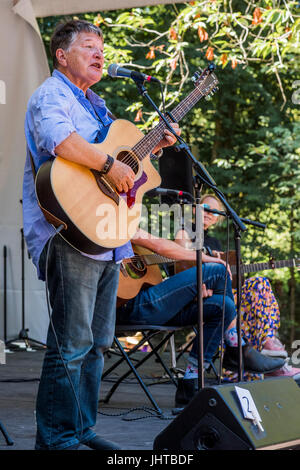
pixel 196 76
pixel 214 90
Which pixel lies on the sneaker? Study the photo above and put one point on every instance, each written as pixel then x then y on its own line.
pixel 274 348
pixel 285 371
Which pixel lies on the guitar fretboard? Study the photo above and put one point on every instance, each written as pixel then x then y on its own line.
pixel 156 259
pixel 249 268
pixel 147 143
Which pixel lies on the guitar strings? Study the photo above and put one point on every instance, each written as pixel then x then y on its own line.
pixel 163 259
pixel 129 159
pixel 139 146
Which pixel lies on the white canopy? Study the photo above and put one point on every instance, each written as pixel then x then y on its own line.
pixel 23 67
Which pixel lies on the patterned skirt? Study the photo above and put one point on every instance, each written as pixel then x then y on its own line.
pixel 260 318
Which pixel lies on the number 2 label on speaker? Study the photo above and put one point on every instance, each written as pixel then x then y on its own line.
pixel 248 406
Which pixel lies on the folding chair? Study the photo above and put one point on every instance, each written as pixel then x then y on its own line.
pixel 148 332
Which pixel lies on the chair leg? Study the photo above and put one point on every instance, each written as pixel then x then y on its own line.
pixel 132 369
pixel 167 370
pixel 132 351
pixel 184 349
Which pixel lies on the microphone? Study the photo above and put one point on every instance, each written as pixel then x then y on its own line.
pixel 169 192
pixel 115 70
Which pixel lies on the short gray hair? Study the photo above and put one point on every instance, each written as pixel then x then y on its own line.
pixel 65 34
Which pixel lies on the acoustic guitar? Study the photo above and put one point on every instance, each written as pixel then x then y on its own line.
pixel 139 272
pixel 95 216
pixel 142 270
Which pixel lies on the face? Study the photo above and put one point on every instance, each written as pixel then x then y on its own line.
pixel 209 218
pixel 83 62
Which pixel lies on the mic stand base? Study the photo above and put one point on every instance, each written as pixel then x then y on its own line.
pixel 28 342
pixel 23 335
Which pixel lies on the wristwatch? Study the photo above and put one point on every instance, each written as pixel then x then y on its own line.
pixel 107 165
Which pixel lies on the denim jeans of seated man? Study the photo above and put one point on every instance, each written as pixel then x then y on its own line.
pixel 172 302
pixel 82 295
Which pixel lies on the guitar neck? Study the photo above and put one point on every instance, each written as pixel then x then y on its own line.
pixel 156 259
pixel 147 143
pixel 249 268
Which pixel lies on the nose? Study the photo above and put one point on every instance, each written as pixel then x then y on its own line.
pixel 97 52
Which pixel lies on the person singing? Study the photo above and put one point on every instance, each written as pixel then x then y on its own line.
pixel 64 117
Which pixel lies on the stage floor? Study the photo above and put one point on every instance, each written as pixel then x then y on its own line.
pixel 19 385
pixel 124 420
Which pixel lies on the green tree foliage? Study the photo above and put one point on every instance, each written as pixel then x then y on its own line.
pixel 248 134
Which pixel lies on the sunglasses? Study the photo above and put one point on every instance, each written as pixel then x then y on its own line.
pixel 207 206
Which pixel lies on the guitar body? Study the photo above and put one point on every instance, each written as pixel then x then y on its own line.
pixel 136 275
pixel 96 217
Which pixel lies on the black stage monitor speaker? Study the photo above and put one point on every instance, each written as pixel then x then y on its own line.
pixel 213 420
pixel 175 169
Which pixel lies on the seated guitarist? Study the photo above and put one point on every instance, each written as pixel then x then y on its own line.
pixel 64 117
pixel 172 302
pixel 260 315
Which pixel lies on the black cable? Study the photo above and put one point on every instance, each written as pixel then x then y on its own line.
pixel 152 412
pixel 223 307
pixel 162 98
pixel 54 332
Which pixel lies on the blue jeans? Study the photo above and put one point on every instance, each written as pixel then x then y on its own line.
pixel 82 295
pixel 172 302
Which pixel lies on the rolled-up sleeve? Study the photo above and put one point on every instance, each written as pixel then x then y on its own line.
pixel 51 121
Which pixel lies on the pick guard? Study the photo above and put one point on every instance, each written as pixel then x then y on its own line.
pixel 131 194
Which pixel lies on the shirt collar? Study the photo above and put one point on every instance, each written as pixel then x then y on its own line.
pixel 61 76
pixel 92 97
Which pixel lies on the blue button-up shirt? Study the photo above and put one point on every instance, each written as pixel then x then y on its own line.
pixel 55 110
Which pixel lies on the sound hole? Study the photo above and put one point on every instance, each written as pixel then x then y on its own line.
pixel 129 159
pixel 136 268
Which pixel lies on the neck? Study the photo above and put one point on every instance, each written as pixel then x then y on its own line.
pixel 75 80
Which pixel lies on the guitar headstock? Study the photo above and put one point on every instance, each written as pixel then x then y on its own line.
pixel 206 81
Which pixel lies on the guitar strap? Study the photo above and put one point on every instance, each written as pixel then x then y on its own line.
pixel 32 165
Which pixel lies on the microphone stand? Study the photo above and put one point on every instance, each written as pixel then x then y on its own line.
pixel 23 334
pixel 203 178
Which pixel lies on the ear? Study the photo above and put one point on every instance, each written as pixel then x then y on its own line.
pixel 61 57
